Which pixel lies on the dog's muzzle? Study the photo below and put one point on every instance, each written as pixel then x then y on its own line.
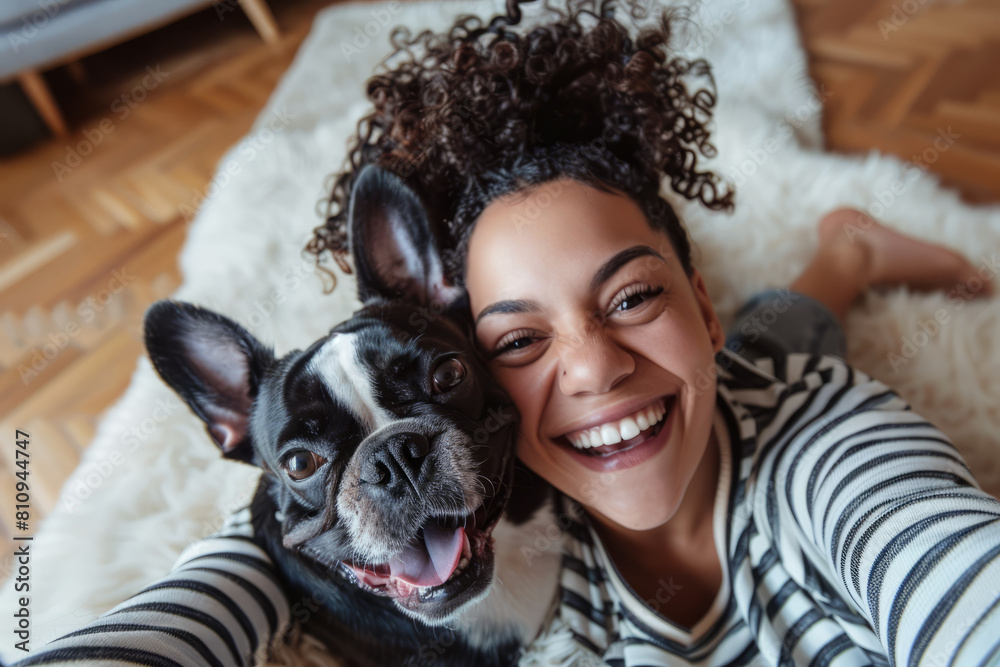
pixel 425 484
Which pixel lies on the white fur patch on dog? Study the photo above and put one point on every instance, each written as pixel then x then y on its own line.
pixel 337 364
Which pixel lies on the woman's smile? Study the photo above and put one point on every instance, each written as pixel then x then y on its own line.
pixel 615 448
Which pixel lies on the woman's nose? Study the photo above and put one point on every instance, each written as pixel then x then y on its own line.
pixel 592 363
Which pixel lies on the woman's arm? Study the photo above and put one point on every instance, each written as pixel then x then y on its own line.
pixel 221 604
pixel 887 507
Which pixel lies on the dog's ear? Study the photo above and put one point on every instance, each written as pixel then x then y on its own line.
pixel 394 248
pixel 214 364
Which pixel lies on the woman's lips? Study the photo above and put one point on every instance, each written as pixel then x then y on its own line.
pixel 632 451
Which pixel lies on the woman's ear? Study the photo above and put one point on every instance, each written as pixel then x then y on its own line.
pixel 712 322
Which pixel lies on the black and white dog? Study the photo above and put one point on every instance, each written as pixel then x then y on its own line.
pixel 387 452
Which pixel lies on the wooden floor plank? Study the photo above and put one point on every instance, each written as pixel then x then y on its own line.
pixel 935 68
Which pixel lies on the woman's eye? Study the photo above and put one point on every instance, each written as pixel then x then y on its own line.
pixel 632 298
pixel 302 464
pixel 631 302
pixel 513 342
pixel 518 344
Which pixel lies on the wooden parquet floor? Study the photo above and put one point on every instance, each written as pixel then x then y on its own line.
pixel 900 71
pixel 84 250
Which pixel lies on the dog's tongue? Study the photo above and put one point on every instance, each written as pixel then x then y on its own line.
pixel 433 563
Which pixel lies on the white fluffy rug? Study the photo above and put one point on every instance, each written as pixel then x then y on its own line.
pixel 149 494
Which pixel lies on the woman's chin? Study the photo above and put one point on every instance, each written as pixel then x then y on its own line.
pixel 638 498
pixel 620 509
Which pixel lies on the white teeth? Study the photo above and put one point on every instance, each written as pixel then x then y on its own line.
pixel 641 421
pixel 610 434
pixel 623 429
pixel 628 428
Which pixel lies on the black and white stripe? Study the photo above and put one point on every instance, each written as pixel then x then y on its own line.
pixel 221 605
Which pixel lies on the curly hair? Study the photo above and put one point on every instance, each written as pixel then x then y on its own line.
pixel 480 111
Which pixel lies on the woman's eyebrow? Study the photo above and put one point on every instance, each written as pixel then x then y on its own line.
pixel 620 259
pixel 507 306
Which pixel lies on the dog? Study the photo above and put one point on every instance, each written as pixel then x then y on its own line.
pixel 387 451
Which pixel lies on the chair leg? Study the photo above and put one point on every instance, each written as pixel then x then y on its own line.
pixel 263 20
pixel 40 95
pixel 78 73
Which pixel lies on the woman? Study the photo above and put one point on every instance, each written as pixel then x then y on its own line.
pixel 720 521
pixel 788 511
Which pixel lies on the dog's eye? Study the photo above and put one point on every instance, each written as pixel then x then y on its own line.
pixel 448 374
pixel 302 464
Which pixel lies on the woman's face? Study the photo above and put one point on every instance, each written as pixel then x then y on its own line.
pixel 604 343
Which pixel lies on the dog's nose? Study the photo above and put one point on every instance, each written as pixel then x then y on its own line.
pixel 397 461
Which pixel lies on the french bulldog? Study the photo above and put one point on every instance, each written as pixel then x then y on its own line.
pixel 387 453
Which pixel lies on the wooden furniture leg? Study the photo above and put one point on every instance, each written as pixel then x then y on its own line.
pixel 78 73
pixel 40 95
pixel 263 20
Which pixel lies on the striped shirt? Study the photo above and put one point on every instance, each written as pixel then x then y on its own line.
pixel 221 605
pixel 849 530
